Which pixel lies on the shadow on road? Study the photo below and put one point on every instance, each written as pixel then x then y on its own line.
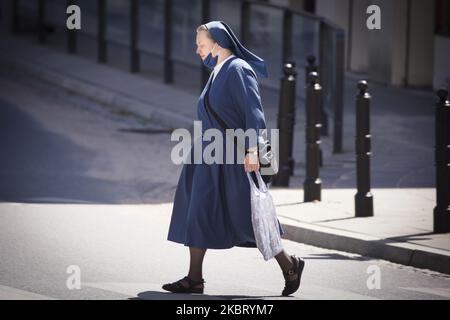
pixel 155 295
pixel 38 166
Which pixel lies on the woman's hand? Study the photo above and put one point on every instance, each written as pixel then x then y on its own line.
pixel 251 161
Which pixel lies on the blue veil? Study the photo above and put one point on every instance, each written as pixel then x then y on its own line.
pixel 223 35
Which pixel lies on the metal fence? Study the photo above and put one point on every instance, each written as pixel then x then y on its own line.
pixel 157 38
pixel 282 34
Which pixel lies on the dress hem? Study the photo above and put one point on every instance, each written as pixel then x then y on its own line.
pixel 247 244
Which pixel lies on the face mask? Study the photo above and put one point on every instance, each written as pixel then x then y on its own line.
pixel 210 62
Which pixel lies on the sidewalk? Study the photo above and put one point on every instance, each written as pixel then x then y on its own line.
pixel 402 164
pixel 400 231
pixel 101 83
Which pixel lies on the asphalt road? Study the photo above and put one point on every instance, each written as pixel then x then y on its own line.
pixel 85 196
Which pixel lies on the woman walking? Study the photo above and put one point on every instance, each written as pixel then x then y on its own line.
pixel 212 208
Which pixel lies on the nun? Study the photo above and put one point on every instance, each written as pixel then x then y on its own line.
pixel 212 208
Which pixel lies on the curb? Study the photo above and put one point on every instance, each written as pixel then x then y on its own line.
pixel 100 95
pixel 398 252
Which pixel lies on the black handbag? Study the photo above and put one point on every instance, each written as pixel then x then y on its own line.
pixel 265 153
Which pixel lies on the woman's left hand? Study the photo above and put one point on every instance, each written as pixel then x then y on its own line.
pixel 251 162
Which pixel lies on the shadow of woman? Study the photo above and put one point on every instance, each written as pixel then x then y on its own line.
pixel 155 295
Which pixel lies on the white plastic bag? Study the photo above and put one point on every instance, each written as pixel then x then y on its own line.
pixel 264 219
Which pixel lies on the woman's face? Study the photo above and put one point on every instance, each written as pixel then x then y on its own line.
pixel 205 45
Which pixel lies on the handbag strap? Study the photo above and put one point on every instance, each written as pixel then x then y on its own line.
pixel 221 122
pixel 211 110
pixel 254 176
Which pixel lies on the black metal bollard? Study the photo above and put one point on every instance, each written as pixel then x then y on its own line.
pixel 41 21
pixel 338 92
pixel 102 48
pixel 71 34
pixel 312 184
pixel 134 36
pixel 441 212
pixel 288 99
pixel 286 120
pixel 15 16
pixel 168 34
pixel 312 67
pixel 363 197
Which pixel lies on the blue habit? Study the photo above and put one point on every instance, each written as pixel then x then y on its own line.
pixel 212 202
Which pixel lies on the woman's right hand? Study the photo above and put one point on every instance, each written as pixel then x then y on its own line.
pixel 251 162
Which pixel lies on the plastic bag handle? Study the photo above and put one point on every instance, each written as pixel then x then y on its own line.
pixel 262 184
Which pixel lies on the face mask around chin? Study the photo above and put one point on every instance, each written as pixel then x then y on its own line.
pixel 210 61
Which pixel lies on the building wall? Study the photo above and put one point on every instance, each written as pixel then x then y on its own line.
pixel 7 17
pixel 387 47
pixel 441 75
pixel 337 11
pixel 359 46
pixel 420 71
pixel 401 53
pixel 294 4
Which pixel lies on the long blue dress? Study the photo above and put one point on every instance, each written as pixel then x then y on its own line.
pixel 212 202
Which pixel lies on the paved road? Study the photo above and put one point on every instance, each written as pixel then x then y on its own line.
pixel 80 152
pixel 89 187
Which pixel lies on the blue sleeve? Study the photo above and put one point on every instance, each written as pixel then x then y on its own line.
pixel 245 95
